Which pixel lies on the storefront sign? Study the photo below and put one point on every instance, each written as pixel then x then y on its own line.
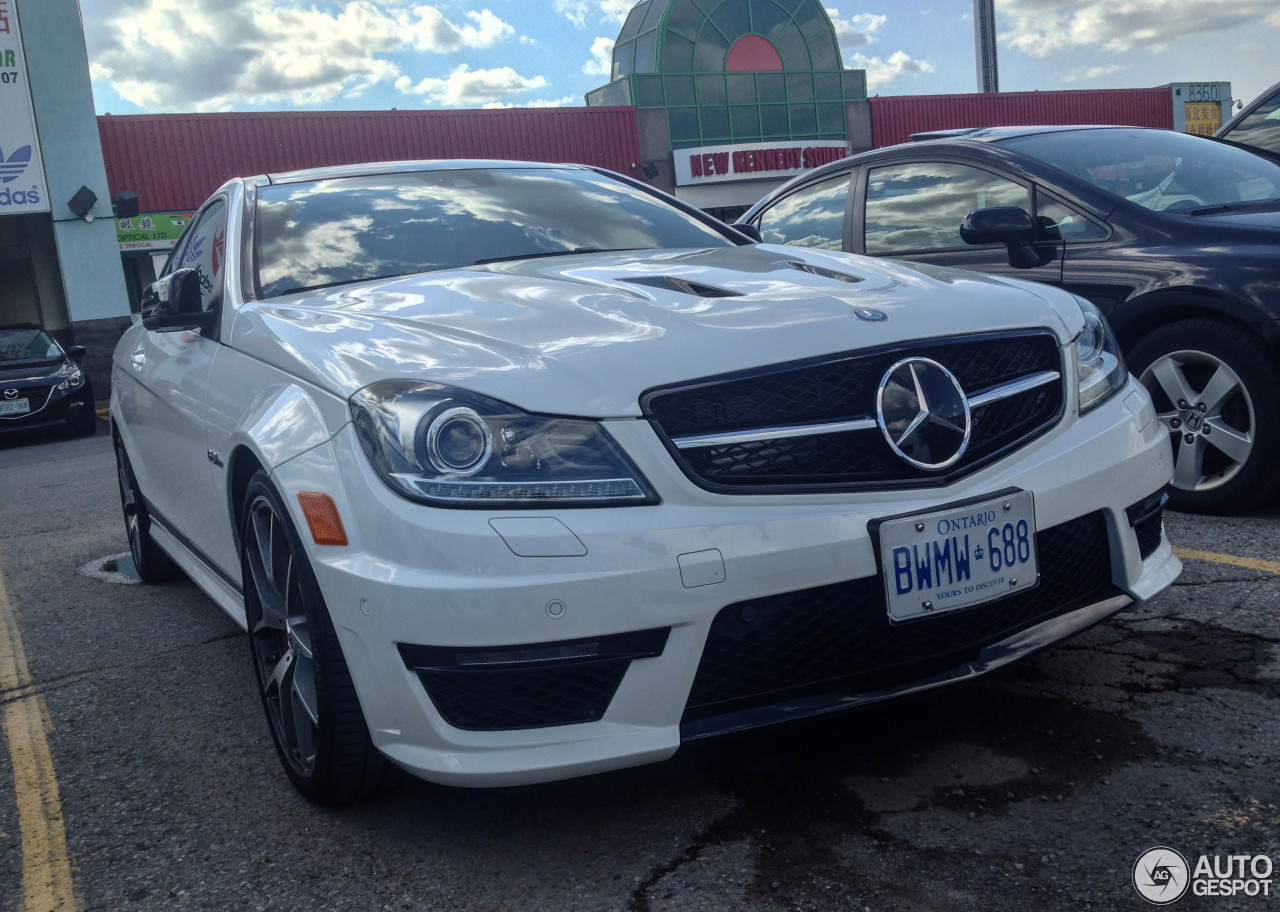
pixel 715 164
pixel 151 230
pixel 1203 117
pixel 22 186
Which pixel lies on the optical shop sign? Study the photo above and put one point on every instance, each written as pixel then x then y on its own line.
pixel 22 187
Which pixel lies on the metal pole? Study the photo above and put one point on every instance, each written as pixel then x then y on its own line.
pixel 984 37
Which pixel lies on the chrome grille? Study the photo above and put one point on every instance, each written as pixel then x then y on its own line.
pixel 811 425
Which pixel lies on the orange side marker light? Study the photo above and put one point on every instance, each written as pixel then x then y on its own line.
pixel 322 518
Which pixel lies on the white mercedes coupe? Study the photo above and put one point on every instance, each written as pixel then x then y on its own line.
pixel 515 472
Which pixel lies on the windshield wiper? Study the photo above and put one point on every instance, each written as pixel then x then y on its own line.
pixel 551 253
pixel 1236 207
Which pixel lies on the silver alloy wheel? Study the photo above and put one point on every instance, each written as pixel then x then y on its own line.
pixel 129 505
pixel 281 637
pixel 1206 408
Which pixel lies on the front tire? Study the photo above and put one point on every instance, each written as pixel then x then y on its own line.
pixel 310 702
pixel 1216 389
pixel 152 564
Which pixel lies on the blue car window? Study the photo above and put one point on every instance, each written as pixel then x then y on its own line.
pixel 810 217
pixel 919 206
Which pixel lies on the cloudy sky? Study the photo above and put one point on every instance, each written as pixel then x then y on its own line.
pixel 245 55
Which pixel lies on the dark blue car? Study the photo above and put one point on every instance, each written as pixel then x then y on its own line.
pixel 42 385
pixel 1175 238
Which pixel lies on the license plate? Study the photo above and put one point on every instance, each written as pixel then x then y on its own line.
pixel 14 406
pixel 961 556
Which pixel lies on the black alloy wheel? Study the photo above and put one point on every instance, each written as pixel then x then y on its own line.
pixel 310 702
pixel 152 564
pixel 1216 389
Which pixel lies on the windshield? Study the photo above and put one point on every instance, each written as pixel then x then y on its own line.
pixel 27 345
pixel 331 232
pixel 1157 169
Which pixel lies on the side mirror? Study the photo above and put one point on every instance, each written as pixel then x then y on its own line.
pixel 1001 225
pixel 76 352
pixel 173 303
pixel 1008 225
pixel 750 231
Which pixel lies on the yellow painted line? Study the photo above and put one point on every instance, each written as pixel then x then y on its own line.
pixel 46 868
pixel 1249 563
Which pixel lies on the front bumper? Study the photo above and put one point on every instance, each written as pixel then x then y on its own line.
pixel 50 407
pixel 426 597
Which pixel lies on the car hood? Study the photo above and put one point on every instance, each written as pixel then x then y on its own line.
pixel 587 334
pixel 28 371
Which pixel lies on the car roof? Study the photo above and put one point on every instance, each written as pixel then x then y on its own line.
pixel 394 167
pixel 996 134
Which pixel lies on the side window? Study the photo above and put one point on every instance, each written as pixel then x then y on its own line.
pixel 919 206
pixel 811 217
pixel 203 248
pixel 1261 128
pixel 1057 222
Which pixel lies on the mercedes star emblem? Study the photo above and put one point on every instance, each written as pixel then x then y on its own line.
pixel 923 413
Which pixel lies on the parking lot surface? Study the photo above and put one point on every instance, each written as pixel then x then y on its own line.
pixel 1037 787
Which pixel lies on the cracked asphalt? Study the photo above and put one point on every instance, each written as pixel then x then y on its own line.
pixel 1035 788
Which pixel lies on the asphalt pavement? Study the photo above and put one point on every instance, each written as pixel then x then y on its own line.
pixel 1035 788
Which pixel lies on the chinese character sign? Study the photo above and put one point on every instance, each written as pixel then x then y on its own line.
pixel 1203 117
pixel 22 185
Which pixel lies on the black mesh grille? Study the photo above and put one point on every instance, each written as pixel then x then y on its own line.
pixel 526 698
pixel 844 388
pixel 1149 532
pixel 838 638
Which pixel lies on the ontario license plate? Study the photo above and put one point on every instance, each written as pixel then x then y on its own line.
pixel 947 559
pixel 14 406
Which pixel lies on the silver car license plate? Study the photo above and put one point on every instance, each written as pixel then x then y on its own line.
pixel 947 559
pixel 14 406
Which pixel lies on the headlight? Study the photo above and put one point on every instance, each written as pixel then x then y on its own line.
pixel 445 446
pixel 73 377
pixel 1099 363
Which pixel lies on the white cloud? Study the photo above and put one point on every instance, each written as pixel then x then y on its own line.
pixel 601 62
pixel 579 11
pixel 465 87
pixel 573 10
pixel 433 32
pixel 1043 27
pixel 857 30
pixel 210 55
pixel 881 72
pixel 538 103
pixel 1096 72
pixel 615 11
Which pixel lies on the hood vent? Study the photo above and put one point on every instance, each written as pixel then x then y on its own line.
pixel 684 286
pixel 825 273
